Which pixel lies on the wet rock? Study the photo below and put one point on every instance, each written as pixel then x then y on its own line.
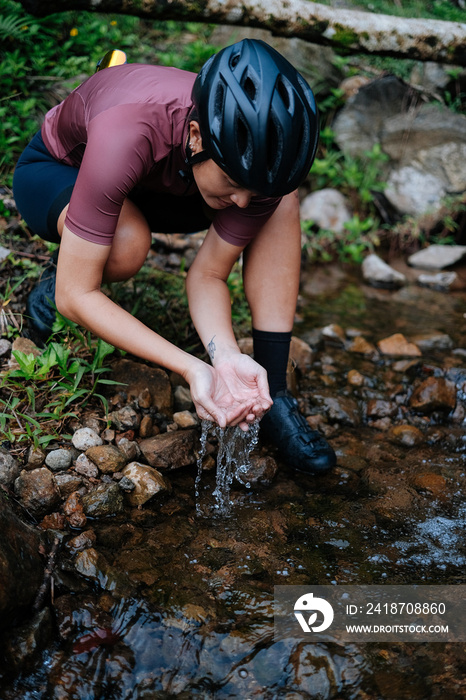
pixel 107 458
pixel 380 408
pixel 378 273
pixel 355 378
pixel 334 333
pixel 436 257
pixel 381 423
pixel 442 281
pixel 82 541
pixel 398 345
pixel 74 511
pixel 92 565
pixel 395 504
pixel 314 672
pixel 361 346
pixel 146 427
pixel 171 450
pixel 126 484
pixel 129 449
pixel 259 472
pixel 340 409
pixel 125 418
pixel 84 438
pixel 185 419
pixel 301 354
pixel 103 501
pixel 404 366
pixel 67 483
pixel 147 483
pixel 37 490
pixel 85 467
pixel 144 398
pixel 434 394
pixel 58 460
pixel 54 521
pixel 182 398
pixel 435 484
pixel 137 377
pixel 407 435
pixel 432 340
pixel 327 208
pixel 20 562
pixel 9 468
pixel 36 457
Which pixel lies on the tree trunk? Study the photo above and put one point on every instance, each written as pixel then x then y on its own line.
pixel 354 31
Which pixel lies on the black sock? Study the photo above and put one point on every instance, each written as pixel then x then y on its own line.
pixel 271 351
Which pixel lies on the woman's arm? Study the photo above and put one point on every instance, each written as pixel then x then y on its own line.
pixel 79 298
pixel 210 307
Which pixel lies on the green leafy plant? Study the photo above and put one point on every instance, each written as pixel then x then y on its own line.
pixel 45 389
pixel 358 238
pixel 357 177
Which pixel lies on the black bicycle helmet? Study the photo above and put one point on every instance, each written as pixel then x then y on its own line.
pixel 257 117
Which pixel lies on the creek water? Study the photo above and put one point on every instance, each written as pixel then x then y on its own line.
pixel 171 604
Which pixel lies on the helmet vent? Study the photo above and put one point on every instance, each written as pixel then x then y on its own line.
pixel 274 147
pixel 243 140
pixel 284 92
pixel 234 60
pixel 250 89
pixel 219 99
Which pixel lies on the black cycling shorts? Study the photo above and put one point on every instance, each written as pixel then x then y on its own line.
pixel 42 187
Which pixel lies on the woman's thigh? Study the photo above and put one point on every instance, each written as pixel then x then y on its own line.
pixel 42 187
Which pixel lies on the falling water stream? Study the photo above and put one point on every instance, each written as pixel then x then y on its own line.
pixel 233 458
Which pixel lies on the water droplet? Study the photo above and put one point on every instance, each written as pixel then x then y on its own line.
pixel 243 673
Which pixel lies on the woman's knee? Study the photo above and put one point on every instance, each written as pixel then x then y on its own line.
pixel 130 245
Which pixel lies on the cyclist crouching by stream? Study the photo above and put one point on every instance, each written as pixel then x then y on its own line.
pixel 140 148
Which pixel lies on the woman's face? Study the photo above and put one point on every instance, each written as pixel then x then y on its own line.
pixel 216 188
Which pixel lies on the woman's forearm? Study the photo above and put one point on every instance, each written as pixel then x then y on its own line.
pixel 210 309
pixel 209 297
pixel 108 321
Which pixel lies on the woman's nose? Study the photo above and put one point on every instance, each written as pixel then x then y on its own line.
pixel 241 198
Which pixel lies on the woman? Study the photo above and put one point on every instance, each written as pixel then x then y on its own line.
pixel 140 148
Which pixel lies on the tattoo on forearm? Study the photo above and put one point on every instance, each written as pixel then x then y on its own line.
pixel 211 348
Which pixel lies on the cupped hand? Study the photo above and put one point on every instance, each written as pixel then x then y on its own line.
pixel 234 392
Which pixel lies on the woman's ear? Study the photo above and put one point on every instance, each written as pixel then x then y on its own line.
pixel 195 139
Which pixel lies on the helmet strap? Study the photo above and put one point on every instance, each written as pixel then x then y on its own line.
pixel 194 159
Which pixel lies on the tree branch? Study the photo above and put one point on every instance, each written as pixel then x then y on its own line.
pixel 354 31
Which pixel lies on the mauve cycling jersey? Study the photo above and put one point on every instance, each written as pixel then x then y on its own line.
pixel 126 128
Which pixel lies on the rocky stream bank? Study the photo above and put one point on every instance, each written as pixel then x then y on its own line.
pixel 114 586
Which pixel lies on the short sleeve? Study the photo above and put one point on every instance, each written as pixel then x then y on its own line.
pixel 239 226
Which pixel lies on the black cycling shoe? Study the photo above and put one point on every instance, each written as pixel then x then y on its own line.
pixel 301 447
pixel 40 305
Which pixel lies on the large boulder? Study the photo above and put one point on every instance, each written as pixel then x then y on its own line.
pixel 171 450
pixel 142 381
pixel 425 142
